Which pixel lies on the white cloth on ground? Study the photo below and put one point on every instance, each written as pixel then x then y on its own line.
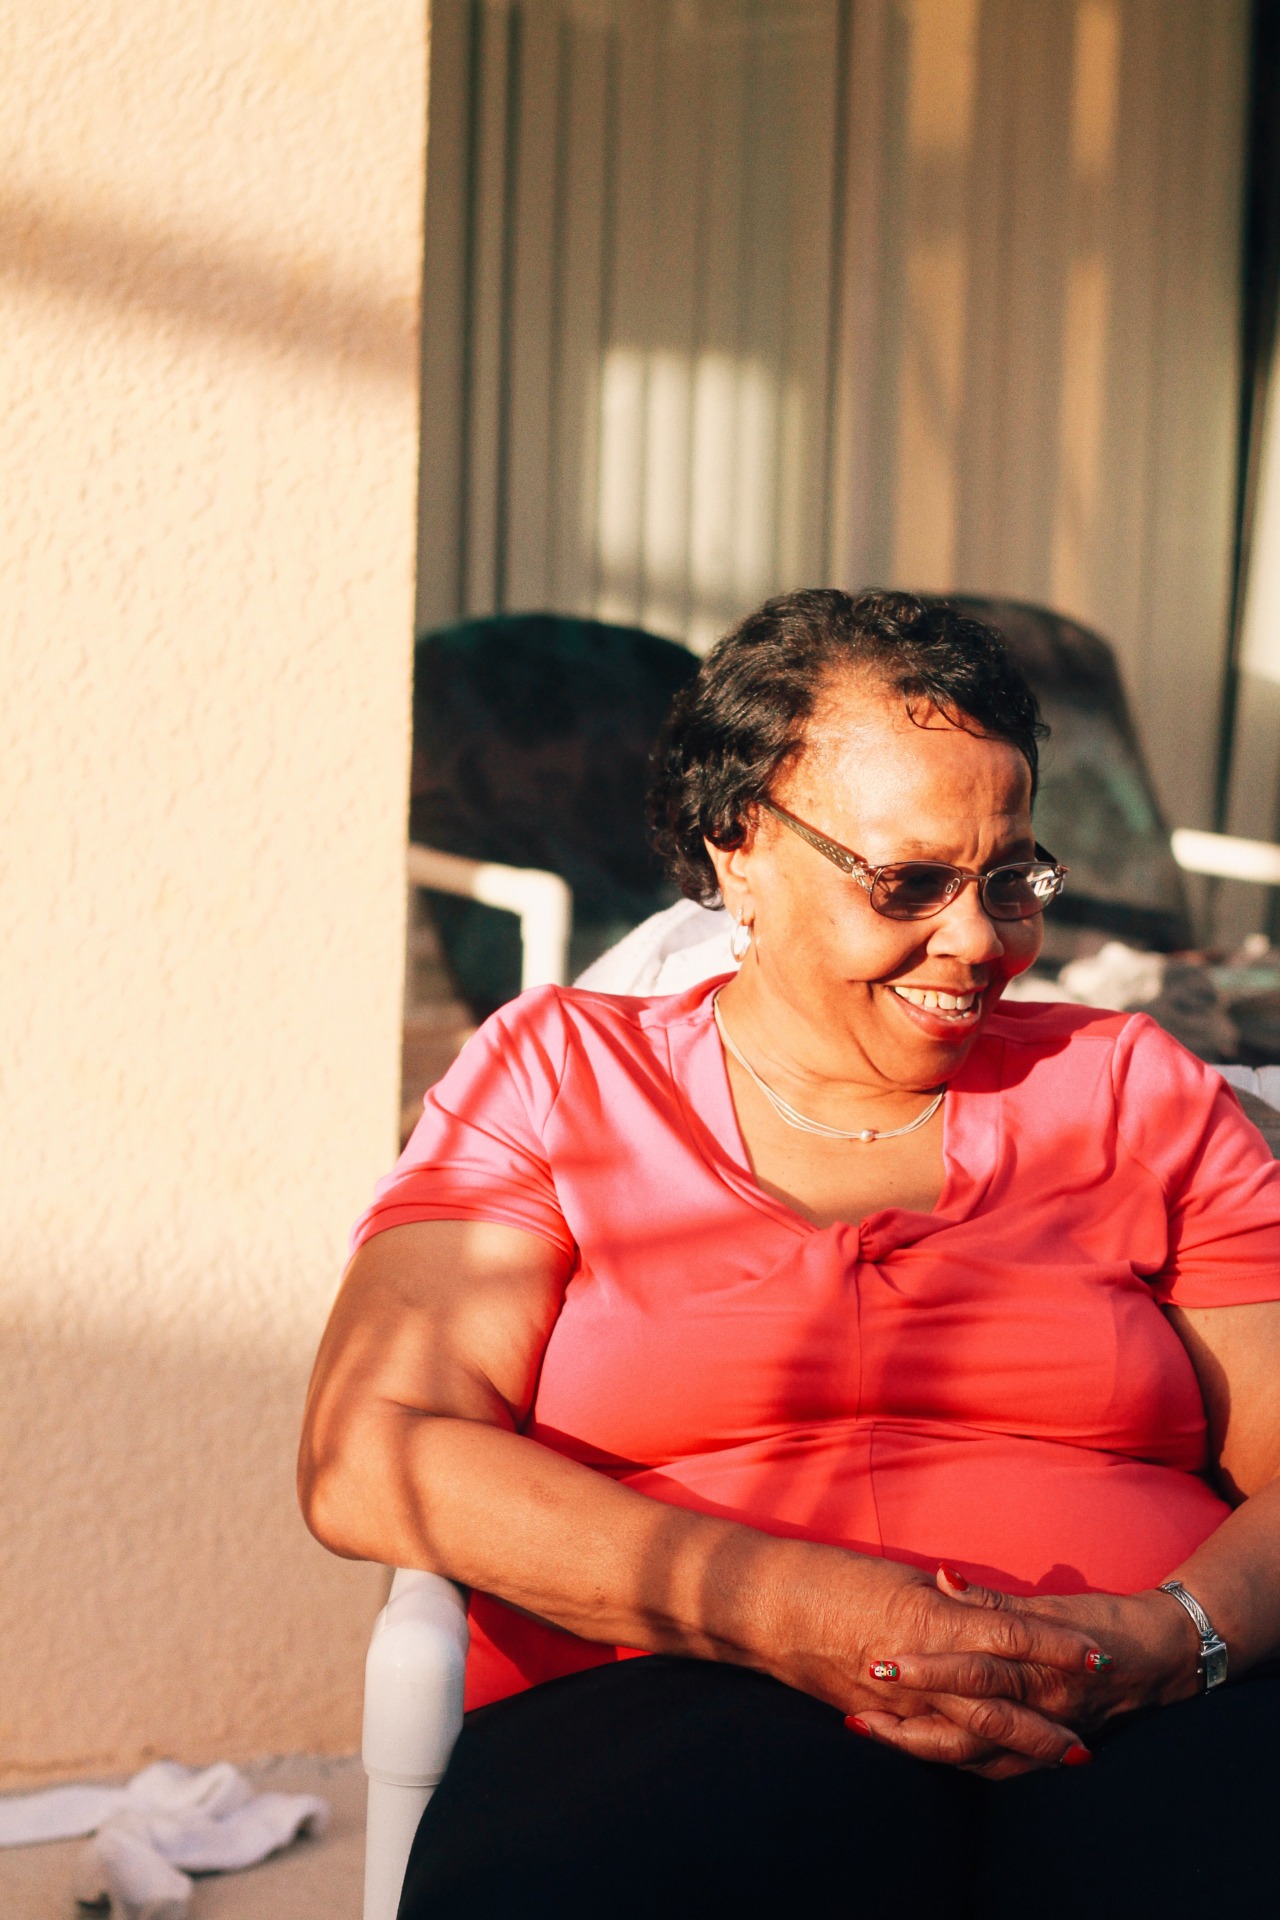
pixel 165 1823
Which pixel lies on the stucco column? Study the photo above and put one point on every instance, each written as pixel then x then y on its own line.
pixel 209 287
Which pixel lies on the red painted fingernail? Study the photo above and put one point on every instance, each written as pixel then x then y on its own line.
pixel 857 1725
pixel 1096 1662
pixel 954 1579
pixel 1076 1757
pixel 884 1670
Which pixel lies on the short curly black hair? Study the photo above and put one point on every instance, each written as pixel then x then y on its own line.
pixel 742 718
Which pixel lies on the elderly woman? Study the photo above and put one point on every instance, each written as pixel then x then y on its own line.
pixel 899 1373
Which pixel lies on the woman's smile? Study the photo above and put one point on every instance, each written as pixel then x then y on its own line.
pixel 939 1012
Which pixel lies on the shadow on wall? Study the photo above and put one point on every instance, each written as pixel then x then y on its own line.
pixel 151 1426
pixel 200 284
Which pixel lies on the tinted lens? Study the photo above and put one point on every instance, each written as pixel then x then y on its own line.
pixel 1016 892
pixel 914 889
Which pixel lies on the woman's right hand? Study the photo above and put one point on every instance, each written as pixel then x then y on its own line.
pixel 834 1616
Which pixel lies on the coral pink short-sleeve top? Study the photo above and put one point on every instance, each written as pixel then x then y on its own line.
pixel 995 1384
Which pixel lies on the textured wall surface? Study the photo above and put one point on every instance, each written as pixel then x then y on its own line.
pixel 209 281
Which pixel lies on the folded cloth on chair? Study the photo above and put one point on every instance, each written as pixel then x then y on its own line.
pixel 666 953
pixel 167 1822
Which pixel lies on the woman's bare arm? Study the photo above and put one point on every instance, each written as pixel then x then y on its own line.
pixel 411 1455
pixel 1235 1575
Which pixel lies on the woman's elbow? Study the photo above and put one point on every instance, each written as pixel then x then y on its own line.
pixel 327 1475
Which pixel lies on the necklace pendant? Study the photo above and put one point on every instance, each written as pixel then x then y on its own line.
pixel 868 1133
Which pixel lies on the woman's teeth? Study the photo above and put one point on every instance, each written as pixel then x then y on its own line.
pixel 937 1002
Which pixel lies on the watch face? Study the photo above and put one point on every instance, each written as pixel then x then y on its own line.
pixel 1213 1662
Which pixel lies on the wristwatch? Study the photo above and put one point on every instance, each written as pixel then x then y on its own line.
pixel 1212 1670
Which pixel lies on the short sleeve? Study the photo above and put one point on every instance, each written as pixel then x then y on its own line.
pixel 1182 1122
pixel 478 1151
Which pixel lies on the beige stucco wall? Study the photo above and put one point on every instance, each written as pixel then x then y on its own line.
pixel 209 277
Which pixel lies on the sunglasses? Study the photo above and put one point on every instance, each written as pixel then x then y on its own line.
pixel 919 889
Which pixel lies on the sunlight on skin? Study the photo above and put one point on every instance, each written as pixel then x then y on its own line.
pixel 814 1003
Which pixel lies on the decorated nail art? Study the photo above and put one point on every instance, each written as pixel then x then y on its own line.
pixel 884 1670
pixel 1097 1662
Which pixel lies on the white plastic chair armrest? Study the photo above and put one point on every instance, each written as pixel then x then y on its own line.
pixel 1226 856
pixel 412 1716
pixel 542 900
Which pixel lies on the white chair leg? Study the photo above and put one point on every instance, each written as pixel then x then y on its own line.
pixel 392 1821
pixel 412 1716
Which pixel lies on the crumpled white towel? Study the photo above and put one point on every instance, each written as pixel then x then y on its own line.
pixel 166 1819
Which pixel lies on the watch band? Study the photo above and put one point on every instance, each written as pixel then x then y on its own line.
pixel 1212 1670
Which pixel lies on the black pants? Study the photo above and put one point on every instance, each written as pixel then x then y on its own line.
pixel 659 1788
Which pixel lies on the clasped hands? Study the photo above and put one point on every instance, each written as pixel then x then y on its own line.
pixel 996 1683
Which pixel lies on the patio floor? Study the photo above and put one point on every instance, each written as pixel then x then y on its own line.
pixel 314 1879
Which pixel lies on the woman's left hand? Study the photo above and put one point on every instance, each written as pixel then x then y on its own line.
pixel 1152 1654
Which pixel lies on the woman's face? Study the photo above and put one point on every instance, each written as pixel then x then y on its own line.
pixel 888 788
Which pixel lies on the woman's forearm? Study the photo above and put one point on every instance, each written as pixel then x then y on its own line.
pixel 1235 1575
pixel 494 1510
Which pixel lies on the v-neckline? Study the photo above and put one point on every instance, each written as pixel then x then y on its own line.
pixel 971 1122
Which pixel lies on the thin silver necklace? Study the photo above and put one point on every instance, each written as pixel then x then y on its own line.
pixel 802 1122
